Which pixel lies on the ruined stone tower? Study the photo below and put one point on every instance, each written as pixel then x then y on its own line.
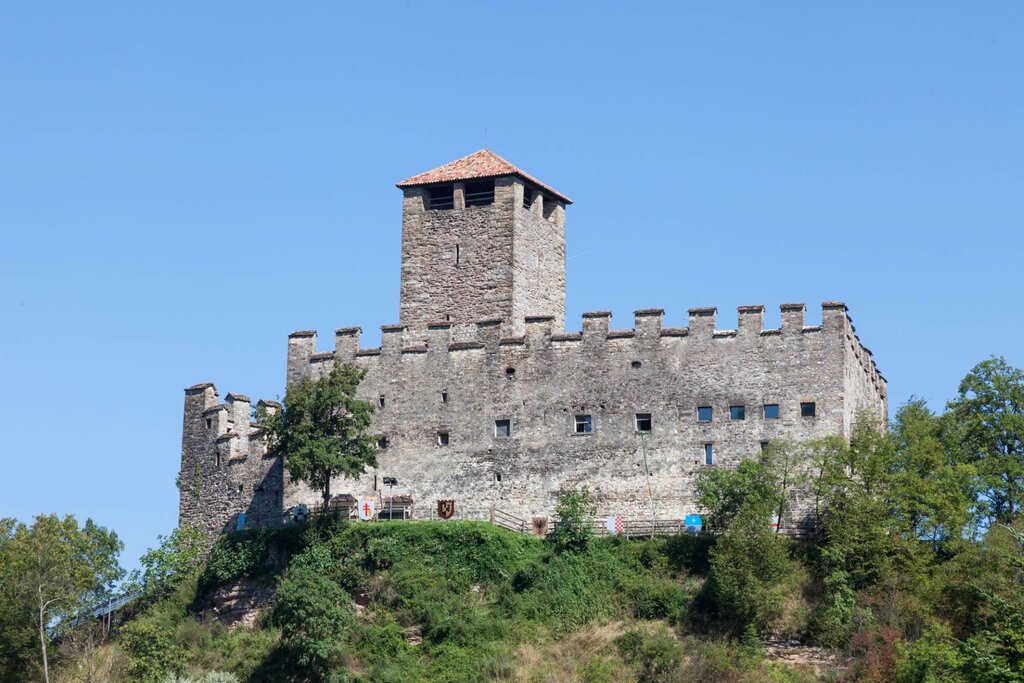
pixel 483 397
pixel 481 240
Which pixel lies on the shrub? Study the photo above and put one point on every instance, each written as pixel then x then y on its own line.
pixel 573 531
pixel 311 612
pixel 657 655
pixel 152 653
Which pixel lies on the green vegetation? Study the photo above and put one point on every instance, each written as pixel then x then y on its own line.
pixel 321 430
pixel 913 572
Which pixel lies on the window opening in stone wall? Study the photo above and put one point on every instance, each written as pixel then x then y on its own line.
pixel 636 365
pixel 643 423
pixel 218 458
pixel 441 197
pixel 382 443
pixel 209 423
pixel 764 445
pixel 709 454
pixel 807 409
pixel 239 488
pixel 444 396
pixel 527 197
pixel 497 477
pixel 737 413
pixel 584 424
pixel 380 401
pixel 704 414
pixel 442 438
pixel 510 373
pixel 458 253
pixel 502 428
pixel 771 411
pixel 480 193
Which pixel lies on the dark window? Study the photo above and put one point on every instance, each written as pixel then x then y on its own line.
pixel 444 397
pixel 497 477
pixel 510 373
pixel 584 424
pixel 239 488
pixel 704 414
pixel 527 197
pixel 709 454
pixel 644 423
pixel 764 445
pixel 209 423
pixel 502 428
pixel 458 255
pixel 442 438
pixel 636 365
pixel 737 413
pixel 771 411
pixel 382 442
pixel 807 410
pixel 380 401
pixel 441 197
pixel 480 193
pixel 218 458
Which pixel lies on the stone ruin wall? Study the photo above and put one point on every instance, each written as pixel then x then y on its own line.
pixel 555 376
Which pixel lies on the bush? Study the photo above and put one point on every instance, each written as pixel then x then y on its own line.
pixel 152 653
pixel 311 612
pixel 657 655
pixel 573 532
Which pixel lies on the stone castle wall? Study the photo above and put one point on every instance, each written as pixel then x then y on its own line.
pixel 540 380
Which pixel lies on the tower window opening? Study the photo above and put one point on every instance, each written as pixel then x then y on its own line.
pixel 480 193
pixel 380 401
pixel 807 409
pixel 497 477
pixel 209 423
pixel 442 438
pixel 502 428
pixel 636 365
pixel 584 424
pixel 510 373
pixel 737 413
pixel 382 443
pixel 643 423
pixel 441 197
pixel 709 454
pixel 704 414
pixel 527 197
pixel 444 396
pixel 771 411
pixel 458 253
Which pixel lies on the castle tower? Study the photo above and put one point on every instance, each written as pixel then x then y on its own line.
pixel 481 240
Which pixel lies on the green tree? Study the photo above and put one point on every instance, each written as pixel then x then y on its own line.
pixel 321 430
pixel 985 424
pixel 932 492
pixel 573 531
pixel 178 558
pixel 725 493
pixel 51 572
pixel 311 611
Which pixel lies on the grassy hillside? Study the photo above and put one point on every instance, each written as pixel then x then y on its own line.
pixel 444 601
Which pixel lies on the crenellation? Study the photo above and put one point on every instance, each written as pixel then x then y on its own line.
pixel 648 322
pixel 702 322
pixel 346 342
pixel 793 318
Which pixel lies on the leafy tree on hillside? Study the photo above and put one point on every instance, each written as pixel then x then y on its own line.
pixel 985 423
pixel 574 512
pixel 179 557
pixel 321 430
pixel 50 572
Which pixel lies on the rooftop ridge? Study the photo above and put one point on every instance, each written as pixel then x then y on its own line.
pixel 478 165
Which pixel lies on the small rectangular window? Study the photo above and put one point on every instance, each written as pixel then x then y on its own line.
pixel 444 397
pixel 771 411
pixel 709 454
pixel 502 428
pixel 764 445
pixel 441 197
pixel 209 423
pixel 644 423
pixel 382 443
pixel 380 401
pixel 807 409
pixel 737 413
pixel 442 438
pixel 704 414
pixel 480 193
pixel 584 424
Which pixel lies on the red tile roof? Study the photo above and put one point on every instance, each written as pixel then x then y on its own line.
pixel 482 164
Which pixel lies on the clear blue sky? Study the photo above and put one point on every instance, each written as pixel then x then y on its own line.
pixel 183 185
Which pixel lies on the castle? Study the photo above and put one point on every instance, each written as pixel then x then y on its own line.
pixel 483 397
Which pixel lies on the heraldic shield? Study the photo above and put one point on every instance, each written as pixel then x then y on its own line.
pixel 445 509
